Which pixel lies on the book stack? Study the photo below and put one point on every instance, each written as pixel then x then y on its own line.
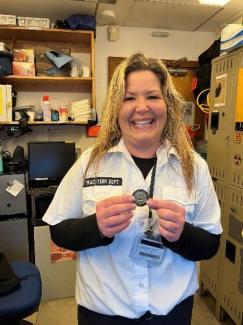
pixel 231 38
pixel 6 107
pixel 81 111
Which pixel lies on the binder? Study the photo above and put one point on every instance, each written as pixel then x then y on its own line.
pixel 3 111
pixel 9 104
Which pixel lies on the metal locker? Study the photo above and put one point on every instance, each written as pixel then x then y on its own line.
pixel 222 100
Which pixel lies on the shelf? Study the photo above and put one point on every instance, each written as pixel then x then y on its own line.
pixel 23 82
pixel 45 35
pixel 46 123
pixel 44 79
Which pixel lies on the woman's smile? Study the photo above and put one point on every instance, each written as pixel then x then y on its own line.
pixel 143 124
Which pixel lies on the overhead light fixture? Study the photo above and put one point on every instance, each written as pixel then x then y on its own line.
pixel 177 71
pixel 214 2
pixel 108 14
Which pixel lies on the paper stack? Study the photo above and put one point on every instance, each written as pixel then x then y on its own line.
pixel 81 111
pixel 231 38
pixel 6 103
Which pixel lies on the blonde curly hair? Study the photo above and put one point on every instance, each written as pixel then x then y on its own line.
pixel 174 131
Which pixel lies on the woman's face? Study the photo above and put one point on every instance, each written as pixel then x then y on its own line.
pixel 143 114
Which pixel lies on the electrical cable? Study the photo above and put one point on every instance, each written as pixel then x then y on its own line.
pixel 204 107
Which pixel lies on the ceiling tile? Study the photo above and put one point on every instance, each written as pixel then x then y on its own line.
pixel 168 15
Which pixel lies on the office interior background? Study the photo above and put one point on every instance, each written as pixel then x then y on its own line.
pixel 177 32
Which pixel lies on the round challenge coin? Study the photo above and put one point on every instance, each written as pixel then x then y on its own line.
pixel 140 196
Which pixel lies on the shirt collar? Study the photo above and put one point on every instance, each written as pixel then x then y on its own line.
pixel 164 152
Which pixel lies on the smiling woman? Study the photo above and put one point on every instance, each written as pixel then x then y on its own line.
pixel 142 208
pixel 143 114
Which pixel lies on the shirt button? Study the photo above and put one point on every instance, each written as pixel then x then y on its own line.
pixel 141 285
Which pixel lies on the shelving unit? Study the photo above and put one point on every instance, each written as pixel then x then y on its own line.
pixel 79 42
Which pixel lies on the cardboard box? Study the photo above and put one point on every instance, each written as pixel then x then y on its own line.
pixel 8 20
pixel 24 55
pixel 34 22
pixel 43 63
pixel 23 69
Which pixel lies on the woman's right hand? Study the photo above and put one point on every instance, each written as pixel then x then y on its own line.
pixel 114 214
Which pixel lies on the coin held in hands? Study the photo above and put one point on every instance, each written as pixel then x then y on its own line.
pixel 140 197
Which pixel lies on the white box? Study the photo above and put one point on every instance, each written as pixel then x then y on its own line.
pixel 4 48
pixel 31 22
pixel 56 283
pixel 8 20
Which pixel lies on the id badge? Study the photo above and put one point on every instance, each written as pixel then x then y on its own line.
pixel 147 252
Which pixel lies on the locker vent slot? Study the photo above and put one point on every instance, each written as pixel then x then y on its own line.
pixel 210 283
pixel 241 59
pixel 233 310
pixel 219 190
pixel 211 169
pixel 235 229
pixel 237 179
pixel 217 172
pixel 224 65
pixel 234 197
pixel 237 199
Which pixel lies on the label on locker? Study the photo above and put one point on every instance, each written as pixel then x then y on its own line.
pixel 220 90
pixel 239 98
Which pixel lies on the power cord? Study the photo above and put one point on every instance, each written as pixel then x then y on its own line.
pixel 204 107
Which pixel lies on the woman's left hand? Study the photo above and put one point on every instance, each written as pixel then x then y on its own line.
pixel 171 218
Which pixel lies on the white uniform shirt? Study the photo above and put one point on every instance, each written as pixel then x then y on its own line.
pixel 108 281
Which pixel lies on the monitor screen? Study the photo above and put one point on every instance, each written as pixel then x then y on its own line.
pixel 48 162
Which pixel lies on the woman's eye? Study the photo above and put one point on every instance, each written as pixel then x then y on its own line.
pixel 126 99
pixel 153 97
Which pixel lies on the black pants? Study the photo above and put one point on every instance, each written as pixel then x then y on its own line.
pixel 179 315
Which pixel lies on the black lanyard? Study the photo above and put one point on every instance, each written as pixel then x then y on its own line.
pixel 149 231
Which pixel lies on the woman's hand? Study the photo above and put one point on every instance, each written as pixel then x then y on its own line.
pixel 114 214
pixel 171 218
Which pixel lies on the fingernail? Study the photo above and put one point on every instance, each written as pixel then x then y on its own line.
pixel 131 198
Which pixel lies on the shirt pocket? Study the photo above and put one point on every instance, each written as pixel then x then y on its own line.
pixel 181 196
pixel 94 194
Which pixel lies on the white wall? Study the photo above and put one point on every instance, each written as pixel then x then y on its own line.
pixel 178 44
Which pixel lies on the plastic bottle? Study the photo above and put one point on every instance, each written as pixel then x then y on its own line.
pixel 46 108
pixel 63 113
pixel 1 160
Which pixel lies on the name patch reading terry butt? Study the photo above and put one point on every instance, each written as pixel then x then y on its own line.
pixel 97 181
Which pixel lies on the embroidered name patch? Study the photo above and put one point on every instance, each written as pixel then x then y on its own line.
pixel 97 181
